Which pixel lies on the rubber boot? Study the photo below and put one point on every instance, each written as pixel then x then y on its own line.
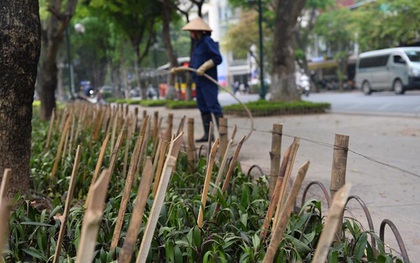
pixel 206 118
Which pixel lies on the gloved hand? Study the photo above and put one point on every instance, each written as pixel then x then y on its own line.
pixel 177 69
pixel 206 65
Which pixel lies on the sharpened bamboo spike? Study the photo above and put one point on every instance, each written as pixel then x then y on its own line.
pixel 222 168
pixel 137 215
pixel 334 217
pixel 232 164
pixel 207 183
pixel 98 166
pixel 92 219
pixel 160 196
pixel 63 218
pixel 275 196
pixel 60 147
pixel 283 190
pixel 126 191
pixel 278 231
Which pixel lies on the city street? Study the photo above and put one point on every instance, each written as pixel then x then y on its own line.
pixel 386 103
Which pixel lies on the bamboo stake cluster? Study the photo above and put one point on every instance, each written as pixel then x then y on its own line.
pixel 118 127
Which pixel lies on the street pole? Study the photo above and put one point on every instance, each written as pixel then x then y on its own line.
pixel 262 84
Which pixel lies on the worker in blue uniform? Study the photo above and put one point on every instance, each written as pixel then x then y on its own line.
pixel 205 58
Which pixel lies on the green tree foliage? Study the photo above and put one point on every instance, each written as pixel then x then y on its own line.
pixel 137 20
pixel 305 28
pixel 337 28
pixel 244 34
pixel 387 23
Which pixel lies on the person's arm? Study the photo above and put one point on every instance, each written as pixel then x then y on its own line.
pixel 205 66
pixel 214 55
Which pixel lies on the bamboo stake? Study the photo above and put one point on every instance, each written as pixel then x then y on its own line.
pixel 72 130
pixel 136 114
pixel 98 125
pixel 207 183
pixel 158 139
pixel 114 130
pixel 275 155
pixel 47 144
pixel 110 115
pixel 63 120
pixel 160 196
pixel 146 139
pixel 79 124
pixel 115 151
pixel 209 141
pixel 223 133
pixel 66 141
pixel 334 218
pixel 230 171
pixel 232 164
pixel 131 123
pixel 60 147
pixel 283 190
pixel 5 207
pixel 181 125
pixel 155 131
pixel 285 214
pixel 221 168
pixel 137 215
pixel 168 131
pixel 235 128
pixel 190 144
pixel 92 219
pixel 156 155
pixel 338 171
pixel 107 123
pixel 165 145
pixel 64 217
pixel 276 194
pixel 126 192
pixel 98 167
pixel 90 117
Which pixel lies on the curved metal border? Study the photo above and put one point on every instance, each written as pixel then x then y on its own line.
pixel 327 196
pixel 252 168
pixel 397 236
pixel 367 214
pixel 202 147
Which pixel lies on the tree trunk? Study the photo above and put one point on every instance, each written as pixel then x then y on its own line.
pixel 52 38
pixel 20 37
pixel 283 84
pixel 173 61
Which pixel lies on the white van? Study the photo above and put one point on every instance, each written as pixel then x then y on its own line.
pixel 396 69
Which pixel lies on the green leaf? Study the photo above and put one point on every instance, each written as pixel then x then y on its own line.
pixel 35 253
pixel 334 257
pixel 300 246
pixel 361 246
pixel 182 243
pixel 170 251
pixel 36 224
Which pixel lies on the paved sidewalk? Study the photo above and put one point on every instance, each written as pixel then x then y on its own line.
pixel 383 162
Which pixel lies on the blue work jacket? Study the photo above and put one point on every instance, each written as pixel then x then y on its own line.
pixel 205 48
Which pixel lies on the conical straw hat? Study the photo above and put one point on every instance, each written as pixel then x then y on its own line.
pixel 197 24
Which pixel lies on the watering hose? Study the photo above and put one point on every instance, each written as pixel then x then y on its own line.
pixel 233 95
